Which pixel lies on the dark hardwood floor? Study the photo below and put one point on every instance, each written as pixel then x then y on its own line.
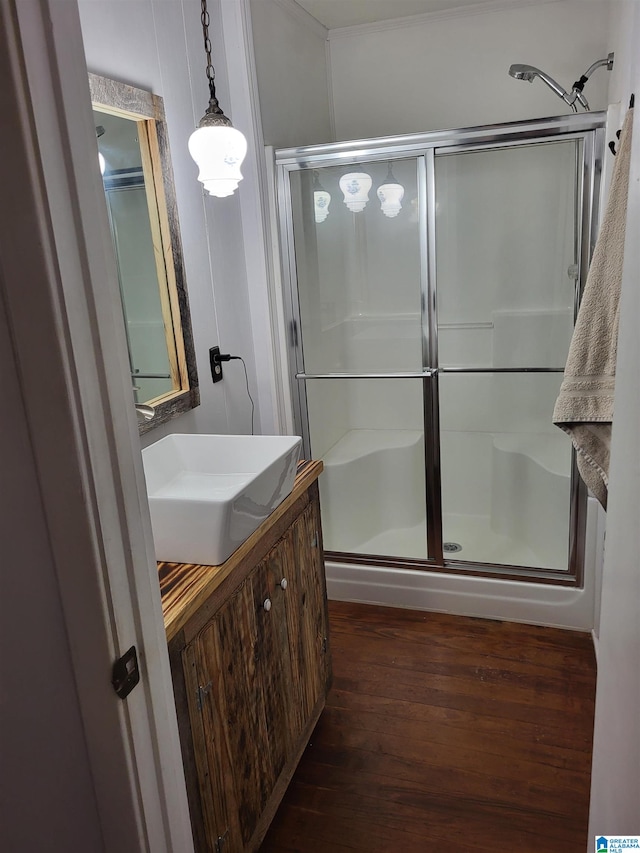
pixel 448 733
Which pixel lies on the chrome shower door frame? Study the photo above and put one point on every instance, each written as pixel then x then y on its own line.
pixel 586 127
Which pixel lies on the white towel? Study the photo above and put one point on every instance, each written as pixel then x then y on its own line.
pixel 584 408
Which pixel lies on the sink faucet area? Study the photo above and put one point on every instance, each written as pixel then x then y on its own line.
pixel 209 493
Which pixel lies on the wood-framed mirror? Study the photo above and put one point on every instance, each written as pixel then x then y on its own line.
pixel 143 216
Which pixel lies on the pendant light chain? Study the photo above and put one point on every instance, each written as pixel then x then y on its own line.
pixel 217 147
pixel 211 74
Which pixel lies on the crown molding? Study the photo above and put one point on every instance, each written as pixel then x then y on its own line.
pixel 303 17
pixel 430 17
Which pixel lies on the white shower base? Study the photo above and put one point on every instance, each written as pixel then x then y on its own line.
pixel 480 544
pixel 373 496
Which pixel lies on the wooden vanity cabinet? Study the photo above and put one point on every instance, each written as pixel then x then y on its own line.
pixel 251 670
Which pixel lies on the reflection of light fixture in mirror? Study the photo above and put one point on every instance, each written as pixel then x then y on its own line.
pixel 390 194
pixel 356 186
pixel 216 146
pixel 321 199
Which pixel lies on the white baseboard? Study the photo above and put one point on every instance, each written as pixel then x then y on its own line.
pixel 513 601
pixel 596 646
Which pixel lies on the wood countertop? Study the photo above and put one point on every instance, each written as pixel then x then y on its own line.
pixel 185 587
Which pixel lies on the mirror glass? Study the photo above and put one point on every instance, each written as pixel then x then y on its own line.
pixel 140 196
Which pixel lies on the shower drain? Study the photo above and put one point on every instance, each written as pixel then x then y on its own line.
pixel 451 547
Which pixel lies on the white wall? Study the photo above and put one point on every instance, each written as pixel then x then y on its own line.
pixel 452 71
pixel 291 65
pixel 615 784
pixel 157 45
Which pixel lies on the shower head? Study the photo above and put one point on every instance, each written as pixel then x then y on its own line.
pixel 523 72
pixel 529 72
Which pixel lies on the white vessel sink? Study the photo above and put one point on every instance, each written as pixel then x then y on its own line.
pixel 208 493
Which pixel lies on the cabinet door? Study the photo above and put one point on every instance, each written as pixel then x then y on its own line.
pixel 273 657
pixel 214 764
pixel 243 672
pixel 233 717
pixel 306 617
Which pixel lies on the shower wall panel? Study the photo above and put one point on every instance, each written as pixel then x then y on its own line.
pixel 373 485
pixel 354 269
pixel 505 226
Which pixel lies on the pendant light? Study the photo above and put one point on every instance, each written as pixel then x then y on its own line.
pixel 390 194
pixel 216 146
pixel 355 187
pixel 321 199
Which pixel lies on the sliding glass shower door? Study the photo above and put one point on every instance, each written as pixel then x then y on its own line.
pixel 429 328
pixel 360 336
pixel 507 246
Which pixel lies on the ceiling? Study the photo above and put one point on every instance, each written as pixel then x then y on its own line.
pixel 348 13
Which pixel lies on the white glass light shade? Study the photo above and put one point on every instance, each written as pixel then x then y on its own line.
pixel 390 196
pixel 355 187
pixel 321 199
pixel 218 152
pixel 102 162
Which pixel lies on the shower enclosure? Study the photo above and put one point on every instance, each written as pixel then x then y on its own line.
pixel 427 344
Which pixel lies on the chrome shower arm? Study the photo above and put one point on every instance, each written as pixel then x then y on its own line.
pixel 578 86
pixel 608 62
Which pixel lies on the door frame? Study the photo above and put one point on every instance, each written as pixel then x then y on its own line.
pixel 588 127
pixel 59 286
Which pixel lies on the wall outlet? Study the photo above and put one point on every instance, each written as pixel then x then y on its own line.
pixel 216 365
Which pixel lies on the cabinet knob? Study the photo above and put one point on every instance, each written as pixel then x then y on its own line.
pixel 283 584
pixel 267 604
